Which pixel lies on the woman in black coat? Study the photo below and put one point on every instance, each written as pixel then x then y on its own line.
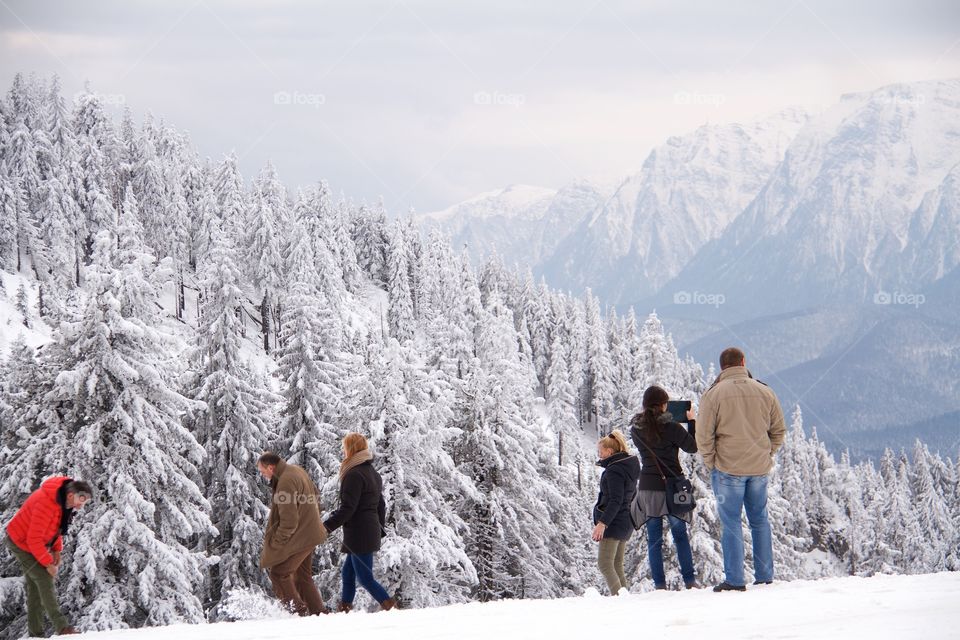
pixel 659 439
pixel 611 514
pixel 362 514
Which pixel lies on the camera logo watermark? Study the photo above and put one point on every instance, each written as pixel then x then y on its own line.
pixel 299 99
pixel 899 298
pixel 915 101
pixel 106 99
pixel 283 497
pixel 499 99
pixel 699 298
pixel 695 98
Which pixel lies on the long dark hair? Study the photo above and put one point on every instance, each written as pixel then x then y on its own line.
pixel 648 420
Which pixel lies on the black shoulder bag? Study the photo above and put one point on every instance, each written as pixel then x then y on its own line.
pixel 679 489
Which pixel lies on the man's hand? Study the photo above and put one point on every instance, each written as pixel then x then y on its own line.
pixel 56 558
pixel 52 570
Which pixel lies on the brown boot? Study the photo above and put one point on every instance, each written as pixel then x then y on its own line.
pixel 344 607
pixel 388 604
pixel 318 609
pixel 68 631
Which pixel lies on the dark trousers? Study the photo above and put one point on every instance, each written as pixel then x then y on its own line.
pixel 41 592
pixel 293 584
pixel 655 549
pixel 358 567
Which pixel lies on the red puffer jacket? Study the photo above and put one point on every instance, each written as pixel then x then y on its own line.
pixel 36 525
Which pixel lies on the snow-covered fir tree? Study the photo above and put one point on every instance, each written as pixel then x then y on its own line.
pixel 424 556
pixel 599 374
pixel 136 544
pixel 234 428
pixel 400 310
pixel 310 369
pixel 264 262
pixel 16 228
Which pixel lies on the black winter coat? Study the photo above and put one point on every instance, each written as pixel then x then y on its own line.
pixel 673 438
pixel 618 486
pixel 362 512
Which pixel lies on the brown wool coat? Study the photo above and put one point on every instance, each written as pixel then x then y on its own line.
pixel 294 524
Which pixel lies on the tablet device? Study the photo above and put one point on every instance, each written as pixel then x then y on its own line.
pixel 679 409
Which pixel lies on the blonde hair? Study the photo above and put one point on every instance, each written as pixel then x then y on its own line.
pixel 615 442
pixel 354 443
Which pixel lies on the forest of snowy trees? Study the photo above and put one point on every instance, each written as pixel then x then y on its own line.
pixel 195 319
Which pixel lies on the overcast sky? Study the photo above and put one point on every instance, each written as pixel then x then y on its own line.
pixel 428 103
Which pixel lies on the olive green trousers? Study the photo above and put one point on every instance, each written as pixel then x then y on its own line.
pixel 41 593
pixel 610 562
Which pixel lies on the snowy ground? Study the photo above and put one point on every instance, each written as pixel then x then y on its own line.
pixel 11 321
pixel 881 607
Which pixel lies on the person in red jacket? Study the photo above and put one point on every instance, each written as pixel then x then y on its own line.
pixel 35 537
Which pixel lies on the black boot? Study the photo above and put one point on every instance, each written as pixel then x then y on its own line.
pixel 725 586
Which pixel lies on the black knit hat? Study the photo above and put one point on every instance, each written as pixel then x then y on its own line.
pixel 654 396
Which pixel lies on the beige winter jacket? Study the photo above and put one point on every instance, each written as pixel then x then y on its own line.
pixel 294 523
pixel 739 424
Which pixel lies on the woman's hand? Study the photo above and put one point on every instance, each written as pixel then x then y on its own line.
pixel 598 530
pixel 691 414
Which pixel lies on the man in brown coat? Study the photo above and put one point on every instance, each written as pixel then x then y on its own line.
pixel 294 529
pixel 739 430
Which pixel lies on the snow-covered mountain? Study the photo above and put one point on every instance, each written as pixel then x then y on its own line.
pixel 864 203
pixel 627 241
pixel 689 190
pixel 522 224
pixel 776 215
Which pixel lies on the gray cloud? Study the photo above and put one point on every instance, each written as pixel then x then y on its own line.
pixel 425 103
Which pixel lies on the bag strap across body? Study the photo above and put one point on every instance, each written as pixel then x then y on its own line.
pixel 656 459
pixel 677 487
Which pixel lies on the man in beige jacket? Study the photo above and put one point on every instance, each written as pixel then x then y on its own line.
pixel 739 429
pixel 294 529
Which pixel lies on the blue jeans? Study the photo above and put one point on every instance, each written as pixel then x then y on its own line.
pixel 678 528
pixel 734 495
pixel 358 567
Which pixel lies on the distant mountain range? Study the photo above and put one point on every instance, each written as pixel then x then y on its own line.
pixel 826 244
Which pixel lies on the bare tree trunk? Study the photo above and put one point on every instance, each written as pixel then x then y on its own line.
pixel 275 309
pixel 179 294
pixel 279 338
pixel 76 258
pixel 265 321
